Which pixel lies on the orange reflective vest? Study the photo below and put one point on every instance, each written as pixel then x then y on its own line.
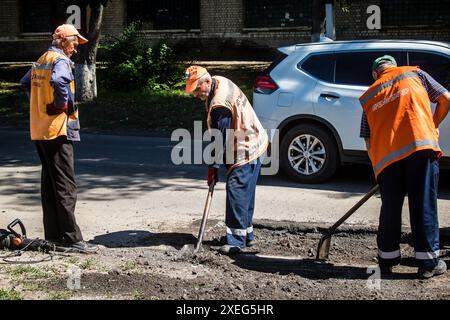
pixel 399 115
pixel 247 140
pixel 42 125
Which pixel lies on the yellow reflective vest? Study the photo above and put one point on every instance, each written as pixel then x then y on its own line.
pixel 42 125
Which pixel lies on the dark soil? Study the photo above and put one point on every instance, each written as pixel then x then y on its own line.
pixel 280 266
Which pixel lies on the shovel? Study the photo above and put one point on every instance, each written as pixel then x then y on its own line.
pixel 205 217
pixel 323 248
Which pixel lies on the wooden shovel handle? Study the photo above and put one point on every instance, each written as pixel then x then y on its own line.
pixel 205 217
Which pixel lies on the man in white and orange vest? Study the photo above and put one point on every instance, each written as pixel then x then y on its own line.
pixel 54 126
pixel 245 140
pixel 401 135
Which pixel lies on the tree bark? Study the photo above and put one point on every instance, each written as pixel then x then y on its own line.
pixel 318 20
pixel 85 72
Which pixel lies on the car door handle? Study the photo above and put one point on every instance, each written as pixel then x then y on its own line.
pixel 329 96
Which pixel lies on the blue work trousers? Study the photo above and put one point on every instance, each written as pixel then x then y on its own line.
pixel 240 203
pixel 416 176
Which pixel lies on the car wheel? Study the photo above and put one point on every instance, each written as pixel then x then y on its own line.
pixel 309 154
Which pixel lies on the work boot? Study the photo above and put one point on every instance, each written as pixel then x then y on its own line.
pixel 385 269
pixel 84 247
pixel 229 249
pixel 439 269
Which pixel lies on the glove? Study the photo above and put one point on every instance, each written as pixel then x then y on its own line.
pixel 52 110
pixel 213 176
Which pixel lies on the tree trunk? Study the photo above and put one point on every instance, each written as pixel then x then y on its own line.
pixel 85 82
pixel 85 73
pixel 318 20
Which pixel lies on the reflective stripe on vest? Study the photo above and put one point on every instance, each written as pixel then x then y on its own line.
pixel 44 66
pixel 404 151
pixel 248 140
pixel 383 86
pixel 399 116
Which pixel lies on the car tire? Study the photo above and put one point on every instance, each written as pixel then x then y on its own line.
pixel 313 164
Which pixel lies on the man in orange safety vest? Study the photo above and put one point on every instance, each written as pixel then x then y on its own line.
pixel 401 135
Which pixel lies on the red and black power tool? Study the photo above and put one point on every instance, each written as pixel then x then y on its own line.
pixel 10 239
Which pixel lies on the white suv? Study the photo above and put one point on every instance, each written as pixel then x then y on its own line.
pixel 310 93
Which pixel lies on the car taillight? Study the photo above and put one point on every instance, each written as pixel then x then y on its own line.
pixel 264 85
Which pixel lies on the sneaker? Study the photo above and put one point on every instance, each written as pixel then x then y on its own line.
pixel 229 249
pixel 440 268
pixel 251 243
pixel 84 247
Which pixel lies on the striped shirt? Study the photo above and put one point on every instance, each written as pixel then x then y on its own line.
pixel 433 88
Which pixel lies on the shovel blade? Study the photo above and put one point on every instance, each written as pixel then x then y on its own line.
pixel 323 249
pixel 188 249
pixel 197 247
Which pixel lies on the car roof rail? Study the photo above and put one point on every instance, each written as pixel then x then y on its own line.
pixel 444 44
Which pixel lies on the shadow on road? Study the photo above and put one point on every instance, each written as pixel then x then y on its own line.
pixel 348 180
pixel 173 239
pixel 130 166
pixel 444 237
pixel 122 239
pixel 307 268
pixel 140 238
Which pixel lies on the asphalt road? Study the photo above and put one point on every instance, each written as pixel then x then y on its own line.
pixel 130 183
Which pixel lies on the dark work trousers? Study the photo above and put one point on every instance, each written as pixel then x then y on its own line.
pixel 240 203
pixel 58 190
pixel 417 175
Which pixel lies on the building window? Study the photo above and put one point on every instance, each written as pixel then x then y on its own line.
pixel 165 14
pixel 277 13
pixel 44 15
pixel 431 13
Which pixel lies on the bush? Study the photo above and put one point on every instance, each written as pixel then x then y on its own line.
pixel 131 64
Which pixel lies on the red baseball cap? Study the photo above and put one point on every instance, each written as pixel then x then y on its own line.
pixel 68 30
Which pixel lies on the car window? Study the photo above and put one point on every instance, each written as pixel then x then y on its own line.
pixel 436 65
pixel 355 68
pixel 320 66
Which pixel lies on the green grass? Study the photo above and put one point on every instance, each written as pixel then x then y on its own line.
pixel 30 278
pixel 116 111
pixel 88 264
pixel 60 295
pixel 129 265
pixel 138 296
pixel 13 106
pixel 9 294
pixel 13 101
pixel 28 272
pixel 73 260
pixel 140 110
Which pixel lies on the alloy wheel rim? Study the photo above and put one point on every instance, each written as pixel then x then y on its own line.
pixel 306 154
